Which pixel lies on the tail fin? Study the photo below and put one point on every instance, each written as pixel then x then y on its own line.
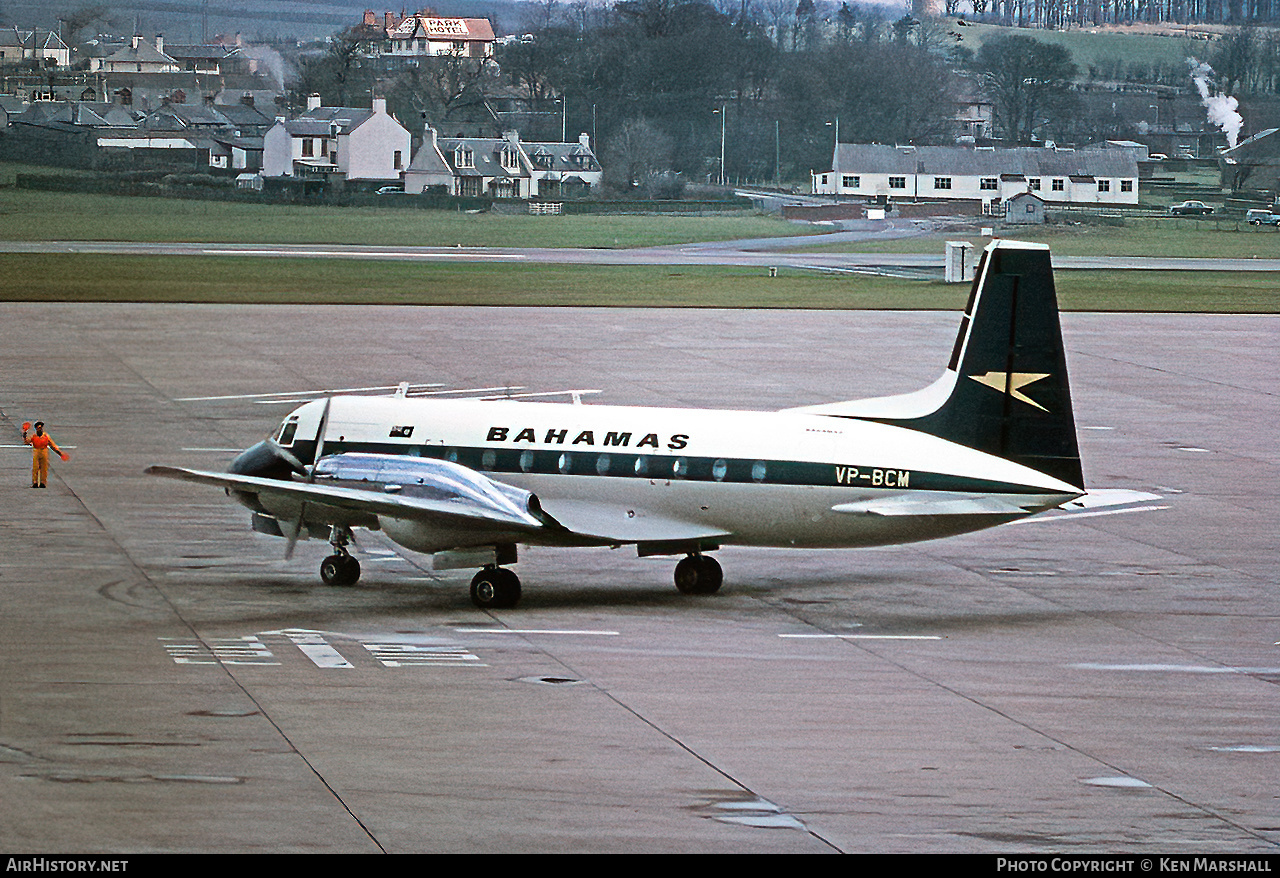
pixel 1005 389
pixel 1009 395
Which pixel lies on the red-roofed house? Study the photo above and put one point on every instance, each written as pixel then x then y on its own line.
pixel 423 34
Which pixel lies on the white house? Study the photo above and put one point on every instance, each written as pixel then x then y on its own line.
pixel 361 144
pixel 39 45
pixel 562 168
pixel 504 167
pixel 987 174
pixel 137 57
pixel 429 168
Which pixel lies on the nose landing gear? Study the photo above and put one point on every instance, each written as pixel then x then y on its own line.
pixel 495 588
pixel 340 568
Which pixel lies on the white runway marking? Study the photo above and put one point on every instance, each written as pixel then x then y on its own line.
pixel 365 254
pixel 1121 782
pixel 862 636
pixel 533 631
pixel 316 648
pixel 407 655
pixel 299 393
pixel 1173 669
pixel 219 650
pixel 28 447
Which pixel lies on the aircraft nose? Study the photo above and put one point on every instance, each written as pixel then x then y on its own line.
pixel 265 460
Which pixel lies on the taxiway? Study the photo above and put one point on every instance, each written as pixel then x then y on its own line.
pixel 169 683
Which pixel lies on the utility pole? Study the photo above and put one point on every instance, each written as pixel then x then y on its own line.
pixel 721 111
pixel 777 154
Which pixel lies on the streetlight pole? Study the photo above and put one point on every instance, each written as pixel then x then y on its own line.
pixel 722 115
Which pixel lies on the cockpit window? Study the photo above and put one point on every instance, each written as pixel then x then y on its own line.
pixel 287 429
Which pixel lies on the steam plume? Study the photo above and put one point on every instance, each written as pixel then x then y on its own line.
pixel 1222 109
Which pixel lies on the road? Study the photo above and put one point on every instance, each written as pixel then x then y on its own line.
pixel 759 252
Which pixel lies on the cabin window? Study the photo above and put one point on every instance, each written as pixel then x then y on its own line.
pixel 489 459
pixel 719 469
pixel 642 466
pixel 759 471
pixel 680 467
pixel 565 463
pixel 526 461
pixel 602 465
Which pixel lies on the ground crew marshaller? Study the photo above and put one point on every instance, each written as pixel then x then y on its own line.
pixel 40 444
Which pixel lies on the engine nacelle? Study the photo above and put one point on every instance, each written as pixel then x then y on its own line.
pixel 430 479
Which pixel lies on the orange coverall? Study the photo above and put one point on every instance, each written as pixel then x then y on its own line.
pixel 40 445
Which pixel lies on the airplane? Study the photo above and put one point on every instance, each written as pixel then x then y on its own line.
pixel 468 481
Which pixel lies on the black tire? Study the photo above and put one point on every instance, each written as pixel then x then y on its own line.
pixel 339 570
pixel 495 588
pixel 698 574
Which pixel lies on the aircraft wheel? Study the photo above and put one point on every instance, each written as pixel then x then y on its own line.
pixel 495 588
pixel 339 570
pixel 699 574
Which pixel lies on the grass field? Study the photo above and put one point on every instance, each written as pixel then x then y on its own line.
pixel 1090 47
pixel 27 215
pixel 94 278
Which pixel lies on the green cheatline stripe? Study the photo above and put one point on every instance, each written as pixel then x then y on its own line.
pixel 720 470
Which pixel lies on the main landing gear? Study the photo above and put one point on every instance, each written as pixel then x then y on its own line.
pixel 699 574
pixel 495 588
pixel 340 568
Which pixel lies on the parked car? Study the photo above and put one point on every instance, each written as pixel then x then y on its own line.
pixel 1157 157
pixel 1262 217
pixel 390 190
pixel 1191 208
pixel 1184 155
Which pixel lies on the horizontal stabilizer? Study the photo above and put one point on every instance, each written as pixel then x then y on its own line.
pixel 939 503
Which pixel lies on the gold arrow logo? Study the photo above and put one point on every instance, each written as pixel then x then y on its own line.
pixel 1012 383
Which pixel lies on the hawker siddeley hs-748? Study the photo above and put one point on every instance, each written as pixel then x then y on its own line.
pixel 991 441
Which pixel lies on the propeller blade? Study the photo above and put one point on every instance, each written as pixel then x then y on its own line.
pixel 295 529
pixel 288 457
pixel 324 422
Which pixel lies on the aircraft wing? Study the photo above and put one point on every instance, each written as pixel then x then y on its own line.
pixel 615 524
pixel 454 512
pixel 489 507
